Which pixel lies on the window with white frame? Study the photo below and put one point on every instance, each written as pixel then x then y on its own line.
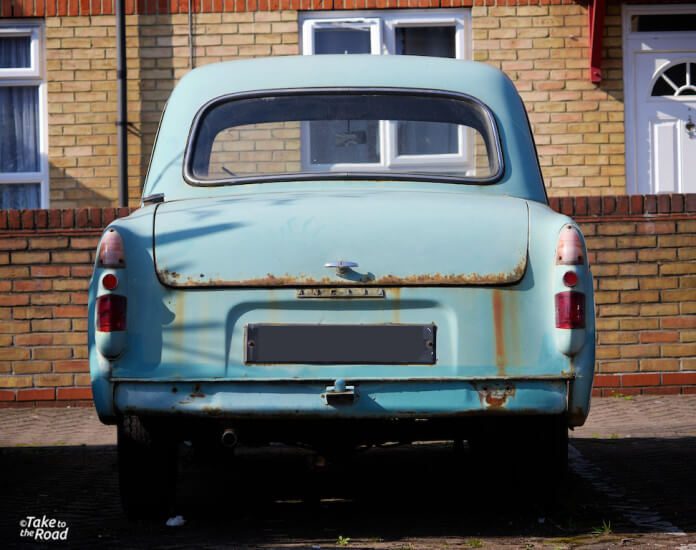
pixel 405 144
pixel 23 131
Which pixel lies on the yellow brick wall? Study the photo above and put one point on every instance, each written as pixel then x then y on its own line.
pixel 81 69
pixel 578 126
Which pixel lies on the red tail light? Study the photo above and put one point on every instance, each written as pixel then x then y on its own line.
pixel 570 310
pixel 111 313
pixel 111 250
pixel 569 249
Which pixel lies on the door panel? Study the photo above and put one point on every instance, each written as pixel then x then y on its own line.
pixel 665 150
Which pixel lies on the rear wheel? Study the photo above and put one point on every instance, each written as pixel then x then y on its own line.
pixel 147 468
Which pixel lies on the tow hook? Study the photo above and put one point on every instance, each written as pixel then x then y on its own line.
pixel 339 394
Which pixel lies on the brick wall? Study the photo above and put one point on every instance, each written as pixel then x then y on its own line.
pixel 578 126
pixel 46 259
pixel 642 249
pixel 81 62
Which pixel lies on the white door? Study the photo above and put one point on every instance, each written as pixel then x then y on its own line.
pixel 660 95
pixel 666 122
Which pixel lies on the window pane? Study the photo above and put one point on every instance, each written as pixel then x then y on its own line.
pixel 677 74
pixel 341 40
pixel 256 149
pixel 427 138
pixel 20 195
pixel 430 41
pixel 344 141
pixel 664 23
pixel 19 129
pixel 662 87
pixel 15 52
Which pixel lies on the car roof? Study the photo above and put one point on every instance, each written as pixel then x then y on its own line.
pixel 483 82
pixel 469 77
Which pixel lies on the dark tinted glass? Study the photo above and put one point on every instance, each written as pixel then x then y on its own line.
pixel 677 74
pixel 340 40
pixel 15 52
pixel 430 41
pixel 673 22
pixel 661 87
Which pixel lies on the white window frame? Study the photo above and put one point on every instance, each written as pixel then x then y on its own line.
pixel 35 75
pixel 371 23
pixel 383 26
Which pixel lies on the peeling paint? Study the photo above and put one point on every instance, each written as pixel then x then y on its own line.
pixel 495 397
pixel 270 280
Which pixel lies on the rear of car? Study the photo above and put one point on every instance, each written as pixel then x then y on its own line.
pixel 362 259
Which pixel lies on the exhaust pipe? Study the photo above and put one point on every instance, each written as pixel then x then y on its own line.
pixel 229 438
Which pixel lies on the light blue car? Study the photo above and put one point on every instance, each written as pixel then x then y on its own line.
pixel 340 251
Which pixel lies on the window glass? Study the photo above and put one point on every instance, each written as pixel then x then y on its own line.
pixel 671 22
pixel 677 74
pixel 19 129
pixel 344 141
pixel 15 52
pixel 677 80
pixel 20 195
pixel 427 138
pixel 342 40
pixel 324 132
pixel 430 41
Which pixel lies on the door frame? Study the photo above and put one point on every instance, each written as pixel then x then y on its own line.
pixel 642 41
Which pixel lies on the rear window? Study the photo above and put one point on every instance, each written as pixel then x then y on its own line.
pixel 363 134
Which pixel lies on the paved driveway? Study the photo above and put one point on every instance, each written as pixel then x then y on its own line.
pixel 633 484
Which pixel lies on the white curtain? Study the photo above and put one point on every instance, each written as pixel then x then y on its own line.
pixel 19 127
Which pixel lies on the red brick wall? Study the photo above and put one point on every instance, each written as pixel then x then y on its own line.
pixel 643 255
pixel 46 259
pixel 642 250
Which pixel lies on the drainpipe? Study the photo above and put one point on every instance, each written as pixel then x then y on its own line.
pixel 122 105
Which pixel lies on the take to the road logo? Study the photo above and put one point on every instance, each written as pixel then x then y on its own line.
pixel 43 528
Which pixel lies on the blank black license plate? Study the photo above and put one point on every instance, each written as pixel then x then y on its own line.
pixel 341 344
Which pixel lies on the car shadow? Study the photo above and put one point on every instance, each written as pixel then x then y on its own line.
pixel 284 495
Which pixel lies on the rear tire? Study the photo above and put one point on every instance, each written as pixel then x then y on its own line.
pixel 147 470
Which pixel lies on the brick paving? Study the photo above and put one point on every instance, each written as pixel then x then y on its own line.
pixel 641 451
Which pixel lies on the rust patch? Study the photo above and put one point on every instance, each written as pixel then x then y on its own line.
pixel 287 280
pixel 499 331
pixel 495 397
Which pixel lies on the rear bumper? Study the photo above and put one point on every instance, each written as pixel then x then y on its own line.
pixel 373 399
